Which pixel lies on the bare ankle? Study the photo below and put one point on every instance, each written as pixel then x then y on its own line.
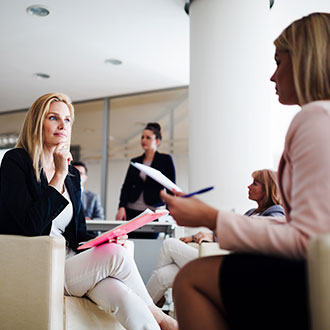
pixel 165 322
pixel 168 323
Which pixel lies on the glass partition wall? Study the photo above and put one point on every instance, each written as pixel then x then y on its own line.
pixel 87 140
pixel 10 124
pixel 128 116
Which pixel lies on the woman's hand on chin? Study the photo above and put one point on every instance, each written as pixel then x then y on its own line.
pixel 62 158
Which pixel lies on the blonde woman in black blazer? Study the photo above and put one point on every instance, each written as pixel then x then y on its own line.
pixel 40 194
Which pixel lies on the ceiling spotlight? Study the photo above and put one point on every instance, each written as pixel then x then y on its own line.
pixel 113 61
pixel 41 75
pixel 37 10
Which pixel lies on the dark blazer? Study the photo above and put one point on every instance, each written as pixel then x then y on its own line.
pixel 134 185
pixel 272 211
pixel 27 207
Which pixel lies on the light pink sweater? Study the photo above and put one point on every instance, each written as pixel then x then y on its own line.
pixel 304 180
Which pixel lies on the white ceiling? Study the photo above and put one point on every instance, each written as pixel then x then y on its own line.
pixel 150 37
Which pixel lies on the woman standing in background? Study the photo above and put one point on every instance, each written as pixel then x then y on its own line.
pixel 140 191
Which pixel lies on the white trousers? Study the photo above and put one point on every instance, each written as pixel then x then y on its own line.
pixel 174 254
pixel 108 275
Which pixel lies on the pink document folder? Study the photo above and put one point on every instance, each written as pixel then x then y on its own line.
pixel 123 229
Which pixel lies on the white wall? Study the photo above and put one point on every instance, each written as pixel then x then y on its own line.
pixel 229 104
pixel 2 152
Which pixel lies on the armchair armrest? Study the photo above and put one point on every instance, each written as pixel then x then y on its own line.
pixel 318 261
pixel 211 249
pixel 32 282
pixel 208 249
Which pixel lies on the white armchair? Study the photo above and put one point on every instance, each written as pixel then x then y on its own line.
pixel 208 249
pixel 319 281
pixel 32 288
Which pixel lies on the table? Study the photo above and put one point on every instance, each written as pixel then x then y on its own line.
pixel 154 227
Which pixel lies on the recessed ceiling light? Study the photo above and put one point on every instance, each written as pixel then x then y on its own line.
pixel 41 75
pixel 37 10
pixel 113 61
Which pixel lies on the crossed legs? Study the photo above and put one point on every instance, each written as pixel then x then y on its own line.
pixel 108 275
pixel 174 254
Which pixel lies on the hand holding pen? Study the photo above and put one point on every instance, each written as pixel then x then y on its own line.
pixel 190 212
pixel 201 191
pixel 180 194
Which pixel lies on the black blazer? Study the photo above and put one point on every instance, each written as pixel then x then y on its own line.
pixel 27 207
pixel 134 185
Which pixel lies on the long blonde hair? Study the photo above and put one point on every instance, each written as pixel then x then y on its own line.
pixel 307 40
pixel 268 180
pixel 31 134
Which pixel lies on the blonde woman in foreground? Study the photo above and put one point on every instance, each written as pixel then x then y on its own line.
pixel 263 285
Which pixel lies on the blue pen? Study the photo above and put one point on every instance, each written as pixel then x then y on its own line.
pixel 201 191
pixel 198 192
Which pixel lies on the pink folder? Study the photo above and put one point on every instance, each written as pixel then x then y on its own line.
pixel 123 229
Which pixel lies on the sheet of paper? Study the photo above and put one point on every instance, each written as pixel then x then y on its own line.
pixel 139 221
pixel 157 176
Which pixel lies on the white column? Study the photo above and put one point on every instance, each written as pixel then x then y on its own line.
pixel 229 110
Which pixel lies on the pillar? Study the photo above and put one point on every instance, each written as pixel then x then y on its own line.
pixel 229 103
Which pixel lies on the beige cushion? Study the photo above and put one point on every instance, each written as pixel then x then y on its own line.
pixel 319 281
pixel 32 288
pixel 211 249
pixel 208 249
pixel 82 314
pixel 31 281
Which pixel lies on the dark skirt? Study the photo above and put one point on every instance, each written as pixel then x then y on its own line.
pixel 262 292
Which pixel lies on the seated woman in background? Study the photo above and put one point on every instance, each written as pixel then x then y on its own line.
pixel 264 190
pixel 175 253
pixel 40 194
